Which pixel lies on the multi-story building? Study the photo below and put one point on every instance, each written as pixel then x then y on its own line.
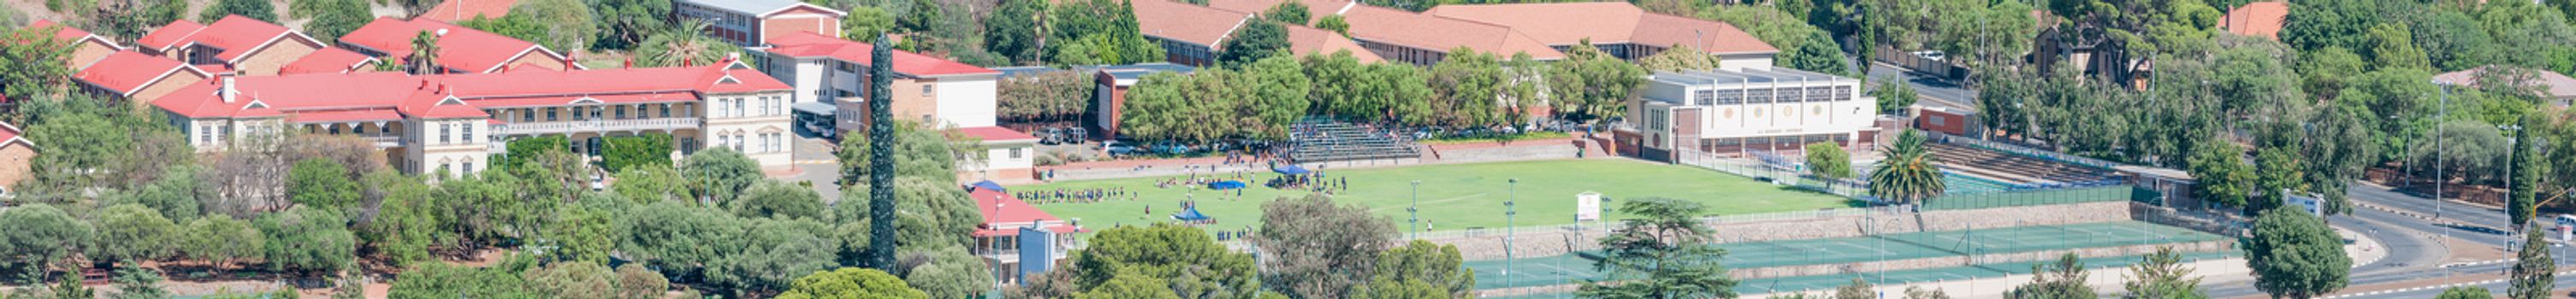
pixel 1193 34
pixel 460 49
pixel 1617 28
pixel 930 90
pixel 1109 98
pixel 751 23
pixel 242 45
pixel 454 123
pixel 1423 39
pixel 1739 110
pixel 16 157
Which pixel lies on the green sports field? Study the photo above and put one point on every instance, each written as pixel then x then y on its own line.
pixel 1455 196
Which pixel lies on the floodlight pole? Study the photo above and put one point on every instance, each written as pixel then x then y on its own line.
pixel 1508 213
pixel 1415 211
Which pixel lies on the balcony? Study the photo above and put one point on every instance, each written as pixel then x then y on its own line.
pixel 384 141
pixel 610 125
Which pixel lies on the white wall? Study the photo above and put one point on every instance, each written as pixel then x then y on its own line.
pixel 998 156
pixel 748 129
pixel 966 101
pixel 1744 61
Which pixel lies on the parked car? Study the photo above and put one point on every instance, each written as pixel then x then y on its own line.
pixel 1117 148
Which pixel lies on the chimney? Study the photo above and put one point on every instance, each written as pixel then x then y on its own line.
pixel 228 92
pixel 688 61
pixel 568 59
pixel 630 63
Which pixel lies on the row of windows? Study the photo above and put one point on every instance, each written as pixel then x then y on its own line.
pixel 458 168
pixel 596 112
pixel 1772 95
pixel 741 107
pixel 756 143
pixel 446 132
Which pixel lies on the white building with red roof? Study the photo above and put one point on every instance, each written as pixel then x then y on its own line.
pixel 750 23
pixel 999 239
pixel 17 156
pixel 1009 155
pixel 87 48
pixel 460 49
pixel 454 123
pixel 129 75
pixel 935 91
pixel 245 45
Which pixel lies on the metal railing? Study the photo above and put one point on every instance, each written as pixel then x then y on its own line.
pixel 2022 150
pixel 532 128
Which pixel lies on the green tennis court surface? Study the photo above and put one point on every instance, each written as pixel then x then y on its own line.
pixel 1824 282
pixel 1572 268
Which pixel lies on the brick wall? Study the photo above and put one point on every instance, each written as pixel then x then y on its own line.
pixel 275 57
pixel 177 80
pixel 15 164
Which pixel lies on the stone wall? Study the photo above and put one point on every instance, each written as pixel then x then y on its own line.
pixel 1522 150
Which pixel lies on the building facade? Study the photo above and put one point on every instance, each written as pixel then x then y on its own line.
pixel 455 123
pixel 1737 111
pixel 934 91
pixel 751 23
pixel 460 49
pixel 243 45
pixel 17 157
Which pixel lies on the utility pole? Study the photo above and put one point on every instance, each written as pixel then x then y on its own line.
pixel 1508 230
pixel 1415 211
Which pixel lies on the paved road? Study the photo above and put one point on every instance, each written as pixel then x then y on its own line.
pixel 2412 252
pixel 1934 91
pixel 2414 255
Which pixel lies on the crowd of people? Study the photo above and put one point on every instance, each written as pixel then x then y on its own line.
pixel 1084 195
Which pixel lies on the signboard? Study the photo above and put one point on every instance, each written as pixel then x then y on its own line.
pixel 2567 227
pixel 1587 206
pixel 2304 201
pixel 1037 251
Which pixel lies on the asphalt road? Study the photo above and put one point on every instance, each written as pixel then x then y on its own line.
pixel 2409 238
pixel 1935 92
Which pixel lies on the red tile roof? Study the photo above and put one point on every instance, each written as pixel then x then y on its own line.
pixel 995 134
pixel 1435 33
pixel 169 36
pixel 465 49
pixel 344 116
pixel 1304 40
pixel 1607 23
pixel 1315 9
pixel 806 44
pixel 2551 83
pixel 1186 22
pixel 457 11
pixel 9 134
pixel 640 98
pixel 328 60
pixel 2258 19
pixel 238 36
pixel 998 207
pixel 127 71
pixel 422 96
pixel 68 34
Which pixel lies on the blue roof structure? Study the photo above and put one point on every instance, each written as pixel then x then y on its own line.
pixel 1190 214
pixel 1290 170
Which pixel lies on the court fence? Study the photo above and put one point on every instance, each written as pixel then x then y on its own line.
pixel 2035 197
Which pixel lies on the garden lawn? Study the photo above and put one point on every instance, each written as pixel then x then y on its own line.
pixel 1453 196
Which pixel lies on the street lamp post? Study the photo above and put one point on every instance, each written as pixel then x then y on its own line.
pixel 1415 211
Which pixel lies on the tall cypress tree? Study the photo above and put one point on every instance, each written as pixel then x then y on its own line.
pixel 2534 272
pixel 880 158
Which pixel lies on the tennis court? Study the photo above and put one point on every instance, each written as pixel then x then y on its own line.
pixel 1573 268
pixel 1826 282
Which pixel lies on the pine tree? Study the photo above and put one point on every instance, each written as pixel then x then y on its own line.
pixel 2533 270
pixel 881 158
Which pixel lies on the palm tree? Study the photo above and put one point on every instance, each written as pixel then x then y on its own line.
pixel 424 54
pixel 684 44
pixel 1907 175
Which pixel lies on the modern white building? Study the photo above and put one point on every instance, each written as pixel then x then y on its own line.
pixel 933 91
pixel 1741 110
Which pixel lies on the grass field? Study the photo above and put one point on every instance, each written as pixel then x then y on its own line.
pixel 1456 196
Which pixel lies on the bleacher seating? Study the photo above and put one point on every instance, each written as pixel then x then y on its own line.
pixel 2016 169
pixel 1323 140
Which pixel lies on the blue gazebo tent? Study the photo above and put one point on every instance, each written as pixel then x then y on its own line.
pixel 1190 214
pixel 989 185
pixel 1290 170
pixel 1225 185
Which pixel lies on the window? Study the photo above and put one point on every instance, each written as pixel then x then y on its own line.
pixel 1788 95
pixel 1702 97
pixel 1757 96
pixel 469 166
pixel 1821 94
pixel 666 110
pixel 469 133
pixel 550 114
pixel 1015 153
pixel 1730 97
pixel 596 110
pixel 443 131
pixel 621 112
pixel 1936 121
pixel 925 90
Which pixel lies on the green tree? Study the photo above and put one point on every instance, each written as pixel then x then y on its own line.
pixel 1334 23
pixel 630 151
pixel 1894 97
pixel 1015 34
pixel 570 24
pixel 948 273
pixel 2160 275
pixel 135 282
pixel 1257 40
pixel 2276 171
pixel 578 234
pixel 1316 248
pixel 649 184
pixel 1129 286
pixel 670 236
pixel 1907 175
pixel 307 241
pixel 851 283
pixel 255 9
pixel 2062 279
pixel 2465 292
pixel 864 23
pixel 1468 84
pixel 2224 178
pixel 221 239
pixel 2294 255
pixel 321 184
pixel 513 26
pixel 407 220
pixel 2324 71
pixel 772 198
pixel 2522 200
pixel 1818 53
pixel 1829 161
pixel 36 64
pixel 132 233
pixel 1291 12
pixel 720 174
pixel 682 46
pixel 1087 32
pixel 2252 82
pixel 424 55
pixel 328 19
pixel 636 282
pixel 625 23
pixel 78 148
pixel 931 213
pixel 881 158
pixel 39 235
pixel 1663 253
pixel 1420 269
pixel 1678 58
pixel 175 194
pixel 572 280
pixel 1857 289
pixel 2392 45
pixel 1169 257
pixel 2534 272
pixel 441 280
pixel 2337 23
pixel 1591 85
